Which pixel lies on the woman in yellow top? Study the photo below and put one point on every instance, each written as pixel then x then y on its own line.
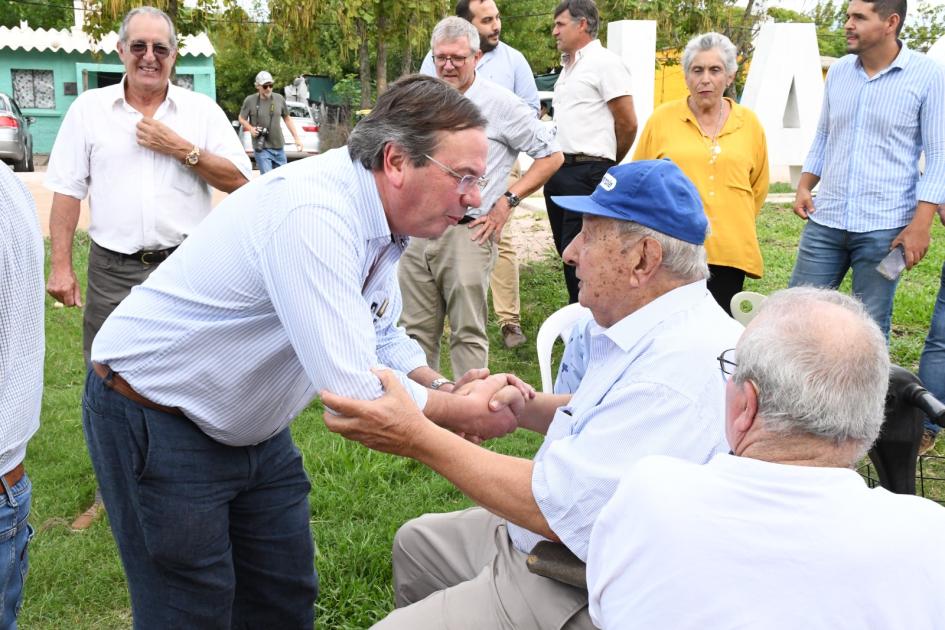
pixel 721 146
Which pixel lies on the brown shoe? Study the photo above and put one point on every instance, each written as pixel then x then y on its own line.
pixel 85 520
pixel 927 443
pixel 512 335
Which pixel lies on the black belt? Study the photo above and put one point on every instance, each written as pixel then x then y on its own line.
pixel 579 158
pixel 466 219
pixel 146 256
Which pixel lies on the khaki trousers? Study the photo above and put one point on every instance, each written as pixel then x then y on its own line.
pixel 504 282
pixel 460 571
pixel 448 276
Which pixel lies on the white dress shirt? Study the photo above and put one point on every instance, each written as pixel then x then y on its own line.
pixel 138 198
pixel 287 288
pixel 593 78
pixel 653 386
pixel 512 129
pixel 22 320
pixel 742 543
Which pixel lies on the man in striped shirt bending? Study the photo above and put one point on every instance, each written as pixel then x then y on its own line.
pixel 288 288
pixel 883 105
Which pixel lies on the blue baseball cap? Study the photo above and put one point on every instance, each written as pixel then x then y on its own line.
pixel 654 193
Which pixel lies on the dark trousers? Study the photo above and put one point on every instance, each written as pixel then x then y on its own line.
pixel 571 179
pixel 210 535
pixel 111 278
pixel 724 283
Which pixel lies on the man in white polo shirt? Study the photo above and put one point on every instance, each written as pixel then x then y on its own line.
pixel 146 153
pixel 593 111
pixel 781 533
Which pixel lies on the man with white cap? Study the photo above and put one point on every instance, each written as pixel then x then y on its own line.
pixel 260 116
pixel 654 387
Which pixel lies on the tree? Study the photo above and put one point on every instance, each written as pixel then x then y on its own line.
pixel 925 27
pixel 48 16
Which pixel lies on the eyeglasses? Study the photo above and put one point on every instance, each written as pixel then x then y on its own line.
pixel 464 182
pixel 727 362
pixel 139 49
pixel 456 60
pixel 266 86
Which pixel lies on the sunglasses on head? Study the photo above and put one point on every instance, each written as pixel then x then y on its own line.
pixel 139 49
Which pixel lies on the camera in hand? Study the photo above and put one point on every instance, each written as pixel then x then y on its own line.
pixel 259 142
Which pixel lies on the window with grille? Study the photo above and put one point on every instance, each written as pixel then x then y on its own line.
pixel 34 89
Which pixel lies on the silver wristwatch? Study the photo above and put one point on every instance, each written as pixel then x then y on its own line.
pixel 440 382
pixel 513 199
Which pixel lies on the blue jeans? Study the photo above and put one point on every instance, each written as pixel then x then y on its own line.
pixel 826 254
pixel 268 159
pixel 15 535
pixel 210 536
pixel 932 363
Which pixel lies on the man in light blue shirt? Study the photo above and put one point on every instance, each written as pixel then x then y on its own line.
pixel 288 287
pixel 508 68
pixel 22 349
pixel 500 63
pixel 883 105
pixel 653 386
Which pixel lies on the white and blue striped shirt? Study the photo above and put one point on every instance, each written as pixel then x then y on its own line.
pixel 288 287
pixel 868 141
pixel 653 387
pixel 21 320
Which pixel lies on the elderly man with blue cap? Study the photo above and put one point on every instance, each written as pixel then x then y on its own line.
pixel 653 385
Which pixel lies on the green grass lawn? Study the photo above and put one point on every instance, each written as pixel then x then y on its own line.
pixel 359 498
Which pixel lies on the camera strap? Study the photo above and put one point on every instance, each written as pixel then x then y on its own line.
pixel 272 109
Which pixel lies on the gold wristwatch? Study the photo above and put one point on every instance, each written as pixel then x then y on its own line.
pixel 191 159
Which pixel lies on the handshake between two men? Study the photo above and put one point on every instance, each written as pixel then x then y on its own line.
pixel 481 407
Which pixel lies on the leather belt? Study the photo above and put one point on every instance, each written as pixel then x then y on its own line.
pixel 466 219
pixel 146 256
pixel 115 382
pixel 13 477
pixel 578 158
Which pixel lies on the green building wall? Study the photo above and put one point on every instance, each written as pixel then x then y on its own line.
pixel 83 70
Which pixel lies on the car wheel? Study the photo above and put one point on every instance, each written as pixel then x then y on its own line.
pixel 26 164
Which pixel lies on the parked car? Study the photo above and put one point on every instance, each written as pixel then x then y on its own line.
pixel 305 124
pixel 16 141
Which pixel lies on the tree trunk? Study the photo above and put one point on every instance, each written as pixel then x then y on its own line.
pixel 365 59
pixel 381 71
pixel 406 67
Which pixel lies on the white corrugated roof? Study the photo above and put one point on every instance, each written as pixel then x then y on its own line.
pixel 75 40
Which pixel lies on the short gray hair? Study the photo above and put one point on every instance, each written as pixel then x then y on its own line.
pixel 813 376
pixel 578 9
pixel 153 11
pixel 711 41
pixel 685 260
pixel 412 113
pixel 453 27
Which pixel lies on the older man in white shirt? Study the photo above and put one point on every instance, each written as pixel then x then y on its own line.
pixel 145 152
pixel 449 275
pixel 653 386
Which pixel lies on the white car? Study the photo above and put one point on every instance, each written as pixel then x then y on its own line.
pixel 305 125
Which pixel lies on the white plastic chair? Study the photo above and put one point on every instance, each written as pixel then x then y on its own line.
pixel 558 324
pixel 745 305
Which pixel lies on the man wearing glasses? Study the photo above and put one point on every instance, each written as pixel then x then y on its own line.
pixel 449 275
pixel 261 116
pixel 782 532
pixel 146 153
pixel 287 288
pixel 653 386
